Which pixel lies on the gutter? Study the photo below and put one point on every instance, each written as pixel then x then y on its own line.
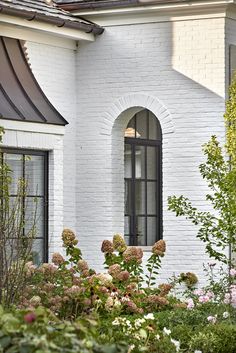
pixel 108 4
pixel 56 21
pixel 71 5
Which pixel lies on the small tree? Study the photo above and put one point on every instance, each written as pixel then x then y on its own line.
pixel 217 229
pixel 15 241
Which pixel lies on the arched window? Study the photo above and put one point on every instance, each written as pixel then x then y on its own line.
pixel 143 141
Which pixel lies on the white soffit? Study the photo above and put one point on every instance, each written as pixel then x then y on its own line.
pixel 156 13
pixel 14 27
pixel 32 127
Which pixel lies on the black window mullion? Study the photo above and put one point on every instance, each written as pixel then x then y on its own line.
pixel 146 200
pixel 24 190
pixel 45 208
pixel 133 208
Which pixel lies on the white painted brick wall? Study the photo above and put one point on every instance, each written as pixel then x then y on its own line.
pixel 54 69
pixel 174 69
pixel 182 65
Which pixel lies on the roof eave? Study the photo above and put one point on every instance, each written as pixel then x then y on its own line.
pixel 35 16
pixel 109 4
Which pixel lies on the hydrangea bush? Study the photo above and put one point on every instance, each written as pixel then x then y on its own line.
pixel 123 308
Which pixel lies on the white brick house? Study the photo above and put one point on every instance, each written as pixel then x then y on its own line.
pixel 169 58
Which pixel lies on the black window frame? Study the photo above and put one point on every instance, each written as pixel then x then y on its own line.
pixel 146 142
pixel 27 152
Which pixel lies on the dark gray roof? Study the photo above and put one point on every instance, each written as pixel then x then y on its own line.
pixel 21 98
pixel 47 11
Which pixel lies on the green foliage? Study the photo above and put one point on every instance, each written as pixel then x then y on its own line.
pixel 153 267
pixel 46 334
pixel 216 229
pixel 1 133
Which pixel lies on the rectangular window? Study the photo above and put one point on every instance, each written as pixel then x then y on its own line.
pixel 31 166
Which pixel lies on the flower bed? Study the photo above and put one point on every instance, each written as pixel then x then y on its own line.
pixel 68 307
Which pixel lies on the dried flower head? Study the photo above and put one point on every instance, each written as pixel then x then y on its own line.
pixel 157 300
pixel 57 259
pixel 119 243
pixel 159 248
pixel 132 307
pixel 114 270
pixel 47 269
pixel 29 268
pixel 82 265
pixel 133 286
pixel 107 247
pixel 104 278
pixel 109 304
pixel 68 237
pixel 189 278
pixel 165 288
pixel 48 287
pixel 123 276
pixel 133 254
pixel 35 300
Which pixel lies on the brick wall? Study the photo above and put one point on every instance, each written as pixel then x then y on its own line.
pixel 175 69
pixel 54 69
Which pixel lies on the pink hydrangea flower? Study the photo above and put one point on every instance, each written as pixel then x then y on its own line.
pixel 199 292
pixel 232 272
pixel 203 299
pixel 212 319
pixel 190 304
pixel 210 295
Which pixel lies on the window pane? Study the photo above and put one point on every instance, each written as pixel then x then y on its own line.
pixel 151 198
pixel 140 197
pixel 151 163
pixel 141 232
pixel 154 128
pixel 38 251
pixel 34 174
pixel 130 130
pixel 127 197
pixel 151 230
pixel 15 162
pixel 128 163
pixel 139 162
pixel 34 214
pixel 141 124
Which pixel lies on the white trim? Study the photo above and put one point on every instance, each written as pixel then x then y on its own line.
pixel 157 13
pixel 46 28
pixel 32 127
pixel 36 36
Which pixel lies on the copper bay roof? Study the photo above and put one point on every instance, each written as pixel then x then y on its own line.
pixel 46 11
pixel 21 98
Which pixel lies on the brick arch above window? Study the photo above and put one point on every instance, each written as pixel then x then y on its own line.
pixel 125 107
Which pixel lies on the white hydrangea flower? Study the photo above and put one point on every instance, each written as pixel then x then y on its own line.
pixel 176 343
pixel 149 316
pixel 225 315
pixel 166 331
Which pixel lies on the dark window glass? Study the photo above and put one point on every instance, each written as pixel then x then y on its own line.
pixel 143 179
pixel 32 167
